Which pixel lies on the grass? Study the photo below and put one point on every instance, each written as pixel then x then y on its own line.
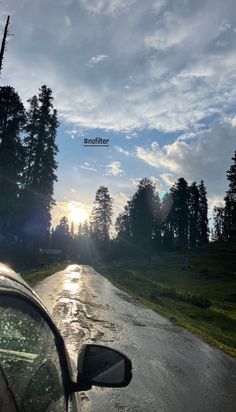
pixel 33 266
pixel 200 296
pixel 34 276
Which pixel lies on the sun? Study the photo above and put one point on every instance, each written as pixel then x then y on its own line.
pixel 77 213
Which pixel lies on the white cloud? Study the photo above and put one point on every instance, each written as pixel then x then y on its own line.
pixel 131 135
pixel 106 6
pixel 156 182
pixel 167 157
pixel 168 179
pixel 233 121
pixel 207 157
pixel 114 169
pixel 225 27
pixel 120 200
pixel 161 40
pixel 97 59
pixel 88 166
pixel 68 21
pixel 122 151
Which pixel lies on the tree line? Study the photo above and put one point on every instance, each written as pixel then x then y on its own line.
pixel 148 224
pixel 27 167
pixel 178 221
pixel 225 214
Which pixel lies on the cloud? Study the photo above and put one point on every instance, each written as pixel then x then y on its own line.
pixel 68 21
pixel 207 157
pixel 178 79
pixel 168 179
pixel 163 40
pixel 88 166
pixel 168 157
pixel 131 135
pixel 97 59
pixel 120 200
pixel 106 6
pixel 233 121
pixel 114 169
pixel 122 151
pixel 225 27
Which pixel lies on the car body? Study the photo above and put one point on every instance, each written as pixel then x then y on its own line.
pixel 36 372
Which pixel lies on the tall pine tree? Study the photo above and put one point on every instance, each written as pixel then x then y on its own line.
pixel 142 216
pixel 12 122
pixel 194 211
pixel 230 201
pixel 203 215
pixel 167 222
pixel 101 218
pixel 180 195
pixel 40 170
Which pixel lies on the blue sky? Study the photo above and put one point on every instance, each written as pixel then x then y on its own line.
pixel 156 77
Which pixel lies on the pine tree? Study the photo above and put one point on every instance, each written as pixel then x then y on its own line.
pixel 72 230
pixel 167 222
pixel 219 222
pixel 61 236
pixel 30 140
pixel 203 215
pixel 157 224
pixel 142 216
pixel 230 200
pixel 12 122
pixel 194 210
pixel 4 41
pixel 101 217
pixel 40 171
pixel 123 226
pixel 227 226
pixel 180 195
pixel 85 230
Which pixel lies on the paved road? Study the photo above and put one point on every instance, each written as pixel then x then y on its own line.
pixel 173 371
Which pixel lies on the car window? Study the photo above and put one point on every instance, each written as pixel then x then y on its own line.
pixel 29 358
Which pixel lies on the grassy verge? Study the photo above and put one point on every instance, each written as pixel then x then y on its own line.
pixel 32 265
pixel 200 296
pixel 34 276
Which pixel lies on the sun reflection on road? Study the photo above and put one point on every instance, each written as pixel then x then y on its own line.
pixel 72 280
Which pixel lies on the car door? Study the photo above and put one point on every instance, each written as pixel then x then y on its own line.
pixel 29 358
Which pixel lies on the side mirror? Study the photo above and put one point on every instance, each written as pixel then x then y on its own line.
pixel 102 366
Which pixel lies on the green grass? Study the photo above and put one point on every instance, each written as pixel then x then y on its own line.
pixel 32 265
pixel 200 297
pixel 34 276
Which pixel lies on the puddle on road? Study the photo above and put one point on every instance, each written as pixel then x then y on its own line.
pixel 72 283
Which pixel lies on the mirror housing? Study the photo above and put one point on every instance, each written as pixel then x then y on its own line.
pixel 102 366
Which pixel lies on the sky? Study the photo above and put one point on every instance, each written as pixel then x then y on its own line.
pixel 155 77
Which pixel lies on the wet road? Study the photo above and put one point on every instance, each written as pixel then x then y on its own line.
pixel 173 371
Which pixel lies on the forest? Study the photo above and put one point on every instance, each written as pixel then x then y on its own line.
pixel 148 225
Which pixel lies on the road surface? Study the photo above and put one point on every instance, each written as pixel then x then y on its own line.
pixel 173 371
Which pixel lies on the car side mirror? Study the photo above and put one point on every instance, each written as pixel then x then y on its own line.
pixel 102 366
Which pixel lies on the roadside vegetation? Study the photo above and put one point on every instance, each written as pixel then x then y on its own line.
pixel 33 266
pixel 197 292
pixel 36 275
